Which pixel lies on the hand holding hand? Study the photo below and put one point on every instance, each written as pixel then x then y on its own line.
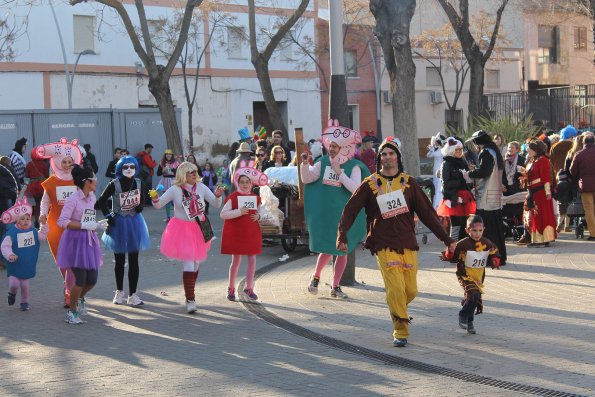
pixel 103 224
pixel 43 219
pixel 89 226
pixel 12 258
pixel 111 221
pixel 342 247
pixel 452 247
pixel 495 263
pixel 219 191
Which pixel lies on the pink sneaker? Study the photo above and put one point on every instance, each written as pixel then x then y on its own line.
pixel 250 293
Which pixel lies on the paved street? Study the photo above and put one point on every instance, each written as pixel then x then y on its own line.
pixel 537 330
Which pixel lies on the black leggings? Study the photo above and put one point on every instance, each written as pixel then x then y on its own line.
pixel 84 277
pixel 133 271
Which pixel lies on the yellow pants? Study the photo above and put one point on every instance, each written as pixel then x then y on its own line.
pixel 589 206
pixel 399 273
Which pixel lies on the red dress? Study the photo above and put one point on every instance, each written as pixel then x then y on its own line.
pixel 241 235
pixel 543 224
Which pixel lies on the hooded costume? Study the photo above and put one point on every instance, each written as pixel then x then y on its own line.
pixel 435 153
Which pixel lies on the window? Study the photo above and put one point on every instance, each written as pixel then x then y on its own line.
pixel 548 38
pixel 492 79
pixel 286 47
pixel 235 42
pixel 350 63
pixel 159 37
pixel 83 28
pixel 580 39
pixel 432 77
pixel 353 117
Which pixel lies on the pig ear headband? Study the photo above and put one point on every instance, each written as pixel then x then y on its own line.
pixel 56 151
pixel 21 207
pixel 256 177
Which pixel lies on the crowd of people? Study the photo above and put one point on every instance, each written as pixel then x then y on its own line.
pixel 355 190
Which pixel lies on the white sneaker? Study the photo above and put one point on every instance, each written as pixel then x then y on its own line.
pixel 338 293
pixel 73 318
pixel 118 298
pixel 191 306
pixel 82 307
pixel 134 300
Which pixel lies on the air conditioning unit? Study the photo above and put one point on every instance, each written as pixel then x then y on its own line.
pixel 436 97
pixel 386 97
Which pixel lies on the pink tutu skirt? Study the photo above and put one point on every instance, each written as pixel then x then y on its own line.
pixel 183 240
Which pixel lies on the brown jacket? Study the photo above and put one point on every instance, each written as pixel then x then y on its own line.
pixel 397 232
pixel 582 169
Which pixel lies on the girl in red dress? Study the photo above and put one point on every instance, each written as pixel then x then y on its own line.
pixel 241 230
pixel 539 202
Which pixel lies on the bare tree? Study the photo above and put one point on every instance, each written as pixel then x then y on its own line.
pixel 13 25
pixel 159 75
pixel 393 20
pixel 260 59
pixel 477 54
pixel 198 44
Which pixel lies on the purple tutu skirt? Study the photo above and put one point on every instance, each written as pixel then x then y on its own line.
pixel 183 240
pixel 79 249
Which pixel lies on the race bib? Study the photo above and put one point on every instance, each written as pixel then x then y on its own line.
pixel 129 200
pixel 63 192
pixel 476 259
pixel 190 213
pixel 87 217
pixel 25 240
pixel 247 202
pixel 330 177
pixel 392 204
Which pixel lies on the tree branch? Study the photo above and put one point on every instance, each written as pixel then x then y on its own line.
pixel 283 29
pixel 488 51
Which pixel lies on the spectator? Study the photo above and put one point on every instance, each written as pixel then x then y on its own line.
pixel 277 159
pixel 242 153
pixel 261 155
pixel 111 167
pixel 501 143
pixel 124 152
pixel 191 159
pixel 582 170
pixel 37 171
pixel 209 178
pixel 92 161
pixel 147 165
pixel 277 140
pixel 367 154
pixel 17 161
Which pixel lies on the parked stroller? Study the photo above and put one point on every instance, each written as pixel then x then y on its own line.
pixel 576 213
pixel 512 215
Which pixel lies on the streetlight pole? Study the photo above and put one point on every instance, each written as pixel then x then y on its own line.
pixel 66 73
pixel 69 86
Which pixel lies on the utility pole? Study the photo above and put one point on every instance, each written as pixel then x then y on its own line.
pixel 338 108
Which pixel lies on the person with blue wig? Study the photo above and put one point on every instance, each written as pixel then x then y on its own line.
pixel 127 232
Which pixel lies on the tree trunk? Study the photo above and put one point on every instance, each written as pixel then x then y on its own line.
pixel 476 79
pixel 393 19
pixel 262 73
pixel 162 93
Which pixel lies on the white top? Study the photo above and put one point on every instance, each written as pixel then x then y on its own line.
pixel 311 173
pixel 175 195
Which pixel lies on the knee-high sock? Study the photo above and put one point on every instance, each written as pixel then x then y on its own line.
pixel 340 264
pixel 119 270
pixel 233 270
pixel 250 271
pixel 24 291
pixel 133 272
pixel 13 284
pixel 323 259
pixel 188 281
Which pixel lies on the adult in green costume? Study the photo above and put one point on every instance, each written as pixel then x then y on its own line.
pixel 329 184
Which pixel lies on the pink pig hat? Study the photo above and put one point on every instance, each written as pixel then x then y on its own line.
pixel 56 151
pixel 345 137
pixel 247 169
pixel 20 208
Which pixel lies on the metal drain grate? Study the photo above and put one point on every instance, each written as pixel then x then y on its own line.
pixel 261 312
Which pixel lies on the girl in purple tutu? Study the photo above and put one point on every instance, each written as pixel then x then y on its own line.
pixel 188 196
pixel 78 251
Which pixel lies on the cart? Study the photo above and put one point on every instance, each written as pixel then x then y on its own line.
pixel 293 231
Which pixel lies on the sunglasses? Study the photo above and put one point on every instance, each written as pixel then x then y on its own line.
pixel 261 154
pixel 90 179
pixel 129 167
pixel 279 152
pixel 191 173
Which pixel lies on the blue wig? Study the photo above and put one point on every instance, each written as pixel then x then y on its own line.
pixel 126 160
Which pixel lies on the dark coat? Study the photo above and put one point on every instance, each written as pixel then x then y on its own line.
pixel 452 177
pixel 582 169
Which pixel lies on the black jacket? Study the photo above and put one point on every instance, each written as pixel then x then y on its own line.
pixel 452 177
pixel 8 189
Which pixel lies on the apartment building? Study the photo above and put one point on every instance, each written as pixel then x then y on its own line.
pixel 109 73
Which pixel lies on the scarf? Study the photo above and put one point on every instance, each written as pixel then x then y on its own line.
pixel 510 168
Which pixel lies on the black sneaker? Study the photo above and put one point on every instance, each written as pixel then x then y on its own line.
pixel 399 342
pixel 11 298
pixel 313 287
pixel 462 322
pixel 470 328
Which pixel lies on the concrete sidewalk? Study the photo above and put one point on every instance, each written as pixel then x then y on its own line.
pixel 537 328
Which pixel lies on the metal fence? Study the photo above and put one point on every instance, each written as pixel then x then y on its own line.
pixel 551 107
pixel 103 129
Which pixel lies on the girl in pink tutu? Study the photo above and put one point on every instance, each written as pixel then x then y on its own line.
pixel 78 250
pixel 241 230
pixel 188 196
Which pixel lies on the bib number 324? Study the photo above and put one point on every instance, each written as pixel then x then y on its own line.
pixel 392 204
